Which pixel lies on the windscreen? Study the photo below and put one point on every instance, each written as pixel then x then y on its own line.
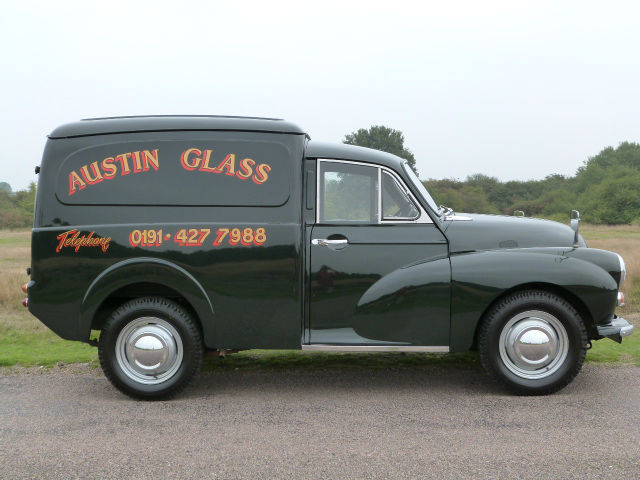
pixel 423 191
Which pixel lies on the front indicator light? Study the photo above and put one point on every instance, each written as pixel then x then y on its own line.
pixel 620 299
pixel 25 287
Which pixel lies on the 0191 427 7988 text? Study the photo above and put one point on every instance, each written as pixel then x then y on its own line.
pixel 196 237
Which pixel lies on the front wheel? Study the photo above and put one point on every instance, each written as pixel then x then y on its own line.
pixel 150 348
pixel 533 341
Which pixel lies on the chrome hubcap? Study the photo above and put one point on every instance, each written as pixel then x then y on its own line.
pixel 149 350
pixel 534 344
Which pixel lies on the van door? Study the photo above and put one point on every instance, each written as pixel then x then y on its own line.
pixel 379 268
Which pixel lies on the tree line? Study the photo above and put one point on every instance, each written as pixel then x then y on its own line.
pixel 605 189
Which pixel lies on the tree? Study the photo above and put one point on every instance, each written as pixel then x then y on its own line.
pixel 382 138
pixel 16 208
pixel 5 187
pixel 616 200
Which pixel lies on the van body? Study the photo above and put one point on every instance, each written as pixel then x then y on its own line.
pixel 177 235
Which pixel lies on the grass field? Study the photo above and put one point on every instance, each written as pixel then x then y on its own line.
pixel 25 341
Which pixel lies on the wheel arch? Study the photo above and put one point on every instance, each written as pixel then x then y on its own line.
pixel 558 290
pixel 479 279
pixel 134 278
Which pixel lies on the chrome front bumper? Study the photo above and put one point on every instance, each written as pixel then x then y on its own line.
pixel 616 330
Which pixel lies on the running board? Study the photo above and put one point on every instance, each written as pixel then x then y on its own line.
pixel 320 347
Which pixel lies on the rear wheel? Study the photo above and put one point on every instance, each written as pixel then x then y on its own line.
pixel 533 341
pixel 150 348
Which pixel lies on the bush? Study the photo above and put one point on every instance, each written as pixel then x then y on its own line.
pixel 16 209
pixel 614 201
pixel 606 189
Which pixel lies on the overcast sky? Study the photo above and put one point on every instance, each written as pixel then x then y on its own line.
pixel 512 89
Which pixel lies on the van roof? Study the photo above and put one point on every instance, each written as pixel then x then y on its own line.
pixel 154 123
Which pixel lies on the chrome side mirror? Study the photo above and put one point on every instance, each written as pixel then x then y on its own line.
pixel 575 226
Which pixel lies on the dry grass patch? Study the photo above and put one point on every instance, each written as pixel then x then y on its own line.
pixel 15 256
pixel 610 231
pixel 11 294
pixel 19 237
pixel 625 240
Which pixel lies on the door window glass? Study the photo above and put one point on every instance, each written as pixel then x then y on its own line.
pixel 396 204
pixel 348 193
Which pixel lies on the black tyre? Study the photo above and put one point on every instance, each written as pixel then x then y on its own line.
pixel 533 341
pixel 150 348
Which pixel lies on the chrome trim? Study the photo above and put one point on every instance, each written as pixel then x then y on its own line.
pixel 325 242
pixel 149 350
pixel 318 191
pixel 379 196
pixel 623 270
pixel 574 222
pixel 319 347
pixel 416 183
pixel 616 329
pixel 627 330
pixel 458 218
pixel 533 344
pixel 423 218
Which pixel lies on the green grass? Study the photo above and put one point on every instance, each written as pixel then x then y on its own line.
pixel 24 342
pixel 16 239
pixel 608 351
pixel 45 350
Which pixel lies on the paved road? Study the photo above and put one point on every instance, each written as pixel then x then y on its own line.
pixel 422 422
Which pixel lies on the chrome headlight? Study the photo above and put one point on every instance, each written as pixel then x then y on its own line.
pixel 623 270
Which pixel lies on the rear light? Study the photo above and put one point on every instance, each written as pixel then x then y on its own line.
pixel 620 299
pixel 25 289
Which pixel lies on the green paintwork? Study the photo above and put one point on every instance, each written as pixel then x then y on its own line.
pixel 479 278
pixel 486 232
pixel 228 287
pixel 411 284
pixel 390 285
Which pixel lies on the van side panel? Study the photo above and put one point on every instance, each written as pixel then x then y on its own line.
pixel 99 229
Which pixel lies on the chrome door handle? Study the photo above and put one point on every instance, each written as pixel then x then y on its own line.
pixel 325 242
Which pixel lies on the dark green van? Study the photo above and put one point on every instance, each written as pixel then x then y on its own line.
pixel 177 235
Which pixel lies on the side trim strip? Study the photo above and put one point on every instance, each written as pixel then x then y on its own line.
pixel 320 347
